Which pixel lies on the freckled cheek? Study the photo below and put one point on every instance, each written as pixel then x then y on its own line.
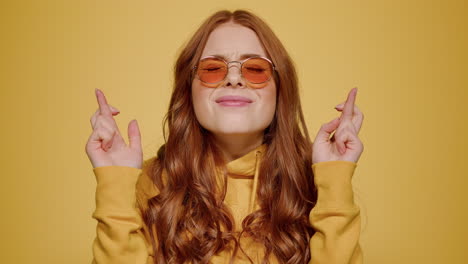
pixel 199 85
pixel 201 100
pixel 271 106
pixel 212 85
pixel 258 86
pixel 269 100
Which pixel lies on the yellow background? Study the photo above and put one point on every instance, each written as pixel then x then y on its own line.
pixel 407 58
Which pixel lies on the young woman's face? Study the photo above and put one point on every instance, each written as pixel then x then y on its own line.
pixel 232 41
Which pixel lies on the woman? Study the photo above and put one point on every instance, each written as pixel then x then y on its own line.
pixel 238 179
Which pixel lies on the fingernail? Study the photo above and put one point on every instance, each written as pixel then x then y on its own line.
pixel 114 109
pixel 339 106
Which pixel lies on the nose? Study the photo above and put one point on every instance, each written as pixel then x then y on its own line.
pixel 234 76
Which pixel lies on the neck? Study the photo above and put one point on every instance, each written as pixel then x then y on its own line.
pixel 235 146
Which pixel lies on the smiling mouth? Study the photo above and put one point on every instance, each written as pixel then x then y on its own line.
pixel 233 101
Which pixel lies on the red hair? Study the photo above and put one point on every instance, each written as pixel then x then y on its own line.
pixel 191 223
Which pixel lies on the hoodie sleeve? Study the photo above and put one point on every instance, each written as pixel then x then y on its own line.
pixel 335 218
pixel 119 233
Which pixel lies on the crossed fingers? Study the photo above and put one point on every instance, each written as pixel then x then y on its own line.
pixel 104 110
pixel 350 111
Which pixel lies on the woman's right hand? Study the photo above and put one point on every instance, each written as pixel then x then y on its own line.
pixel 105 146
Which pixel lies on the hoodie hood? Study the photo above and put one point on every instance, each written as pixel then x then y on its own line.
pixel 246 167
pixel 247 164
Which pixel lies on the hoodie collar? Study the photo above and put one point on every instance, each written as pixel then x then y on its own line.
pixel 248 165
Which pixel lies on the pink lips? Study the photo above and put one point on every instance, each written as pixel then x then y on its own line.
pixel 231 100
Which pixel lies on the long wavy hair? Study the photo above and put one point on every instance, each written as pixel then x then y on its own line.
pixel 188 220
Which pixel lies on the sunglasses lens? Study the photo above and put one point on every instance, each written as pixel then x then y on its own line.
pixel 211 70
pixel 256 70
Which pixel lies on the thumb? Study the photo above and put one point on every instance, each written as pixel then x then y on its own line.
pixel 134 136
pixel 325 131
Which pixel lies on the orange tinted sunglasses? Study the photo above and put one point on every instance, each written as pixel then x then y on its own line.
pixel 256 70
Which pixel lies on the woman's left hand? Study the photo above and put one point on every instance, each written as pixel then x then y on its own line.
pixel 344 144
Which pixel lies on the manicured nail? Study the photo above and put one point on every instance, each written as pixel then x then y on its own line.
pixel 114 109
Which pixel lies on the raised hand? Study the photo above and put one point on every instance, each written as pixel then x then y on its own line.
pixel 344 144
pixel 105 146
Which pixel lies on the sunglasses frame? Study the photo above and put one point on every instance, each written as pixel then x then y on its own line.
pixel 227 66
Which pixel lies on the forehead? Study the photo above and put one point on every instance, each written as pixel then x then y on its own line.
pixel 232 41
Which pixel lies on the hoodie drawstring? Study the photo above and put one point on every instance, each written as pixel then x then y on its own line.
pixel 253 195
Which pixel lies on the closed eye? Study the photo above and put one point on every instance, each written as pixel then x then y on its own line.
pixel 212 69
pixel 259 70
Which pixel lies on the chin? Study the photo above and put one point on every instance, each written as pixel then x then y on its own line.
pixel 231 127
pixel 234 124
pixel 233 130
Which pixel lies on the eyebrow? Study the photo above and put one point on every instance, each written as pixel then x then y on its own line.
pixel 243 56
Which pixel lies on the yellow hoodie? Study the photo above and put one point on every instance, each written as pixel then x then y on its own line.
pixel 123 238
